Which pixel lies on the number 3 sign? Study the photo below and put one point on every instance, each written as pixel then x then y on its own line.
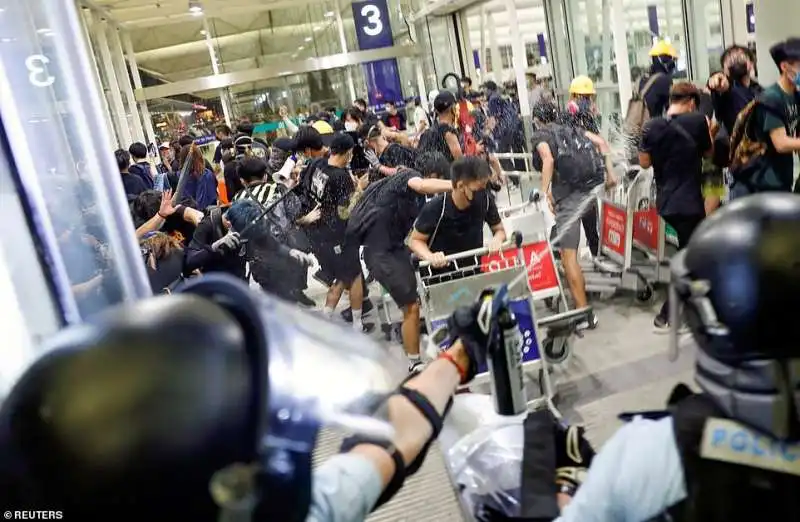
pixel 372 24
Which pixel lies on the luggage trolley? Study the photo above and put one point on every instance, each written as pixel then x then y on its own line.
pixel 623 226
pixel 474 270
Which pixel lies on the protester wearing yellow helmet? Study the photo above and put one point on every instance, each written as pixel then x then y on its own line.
pixel 581 105
pixel 654 87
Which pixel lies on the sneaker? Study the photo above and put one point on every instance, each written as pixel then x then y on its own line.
pixel 660 325
pixel 416 366
pixel 590 323
pixel 366 307
pixel 367 328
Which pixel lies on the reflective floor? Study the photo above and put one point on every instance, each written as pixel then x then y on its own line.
pixel 621 366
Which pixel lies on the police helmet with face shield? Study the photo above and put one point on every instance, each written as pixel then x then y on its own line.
pixel 738 283
pixel 194 406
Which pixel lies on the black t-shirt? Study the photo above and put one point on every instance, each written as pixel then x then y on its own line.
pixel 331 187
pixel 167 272
pixel 388 210
pixel 433 140
pixel 133 185
pixel 657 96
pixel 177 227
pixel 452 230
pixel 678 161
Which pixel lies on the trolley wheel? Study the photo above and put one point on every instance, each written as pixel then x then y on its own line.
pixel 645 294
pixel 552 304
pixel 556 349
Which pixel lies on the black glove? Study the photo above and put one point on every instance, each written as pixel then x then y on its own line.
pixel 574 455
pixel 465 325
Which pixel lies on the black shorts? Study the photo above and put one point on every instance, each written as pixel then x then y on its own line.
pixel 340 261
pixel 393 270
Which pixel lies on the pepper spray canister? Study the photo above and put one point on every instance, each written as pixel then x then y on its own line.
pixel 505 366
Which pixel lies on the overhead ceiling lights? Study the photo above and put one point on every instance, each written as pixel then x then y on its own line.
pixel 195 7
pixel 308 38
pixel 329 14
pixel 317 28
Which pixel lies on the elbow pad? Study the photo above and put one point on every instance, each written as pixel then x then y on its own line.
pixel 401 471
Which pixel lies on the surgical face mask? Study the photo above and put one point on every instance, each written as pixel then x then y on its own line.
pixel 350 126
pixel 738 70
pixel 796 79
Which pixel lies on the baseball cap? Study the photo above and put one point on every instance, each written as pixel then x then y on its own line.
pixel 443 101
pixel 164 145
pixel 285 144
pixel 341 142
pixel 325 130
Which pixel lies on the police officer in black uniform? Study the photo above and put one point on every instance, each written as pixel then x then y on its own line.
pixel 731 452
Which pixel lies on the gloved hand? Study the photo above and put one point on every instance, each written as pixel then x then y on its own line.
pixel 227 243
pixel 301 257
pixel 372 158
pixel 574 455
pixel 469 325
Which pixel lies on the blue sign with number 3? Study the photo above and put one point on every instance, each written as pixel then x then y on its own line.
pixel 373 29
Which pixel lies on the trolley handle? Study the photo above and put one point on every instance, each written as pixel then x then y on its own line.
pixel 514 242
pixel 533 198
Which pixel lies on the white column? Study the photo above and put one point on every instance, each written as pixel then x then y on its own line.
pixel 124 80
pixel 776 20
pixel 223 95
pixel 87 21
pixel 739 19
pixel 607 41
pixel 118 113
pixel 497 62
pixel 423 94
pixel 520 65
pixel 621 52
pixel 466 44
pixel 698 38
pixel 144 110
pixel 482 50
pixel 343 42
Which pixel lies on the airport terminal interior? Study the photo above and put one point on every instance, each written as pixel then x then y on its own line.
pixel 81 79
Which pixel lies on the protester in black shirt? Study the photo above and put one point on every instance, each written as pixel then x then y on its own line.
pixel 385 157
pixel 381 221
pixel 153 211
pixel 392 118
pixel 328 183
pixel 674 146
pixel 163 259
pixel 216 246
pixel 733 87
pixel 368 117
pixel 664 59
pixel 132 183
pixel 222 132
pixel 141 167
pixel 452 223
pixel 443 136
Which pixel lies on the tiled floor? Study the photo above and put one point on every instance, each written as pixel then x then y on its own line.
pixel 621 366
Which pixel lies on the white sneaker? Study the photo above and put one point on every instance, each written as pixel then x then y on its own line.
pixel 590 323
pixel 416 366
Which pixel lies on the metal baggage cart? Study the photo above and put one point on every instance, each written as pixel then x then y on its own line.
pixel 474 270
pixel 632 242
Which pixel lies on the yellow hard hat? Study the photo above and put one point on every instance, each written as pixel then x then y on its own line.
pixel 582 85
pixel 663 48
pixel 323 127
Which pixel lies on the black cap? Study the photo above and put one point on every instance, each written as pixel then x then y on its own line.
pixel 341 143
pixel 308 137
pixel 786 51
pixel 443 101
pixel 285 144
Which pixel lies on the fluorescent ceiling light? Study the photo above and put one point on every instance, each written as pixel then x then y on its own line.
pixel 195 7
pixel 317 28
pixel 301 47
pixel 308 38
pixel 329 14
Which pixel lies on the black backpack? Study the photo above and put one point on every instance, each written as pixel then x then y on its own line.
pixel 578 163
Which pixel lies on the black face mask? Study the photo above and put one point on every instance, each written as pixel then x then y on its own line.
pixel 738 70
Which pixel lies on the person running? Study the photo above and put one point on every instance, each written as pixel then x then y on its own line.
pixel 329 184
pixel 573 162
pixel 453 222
pixel 381 221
